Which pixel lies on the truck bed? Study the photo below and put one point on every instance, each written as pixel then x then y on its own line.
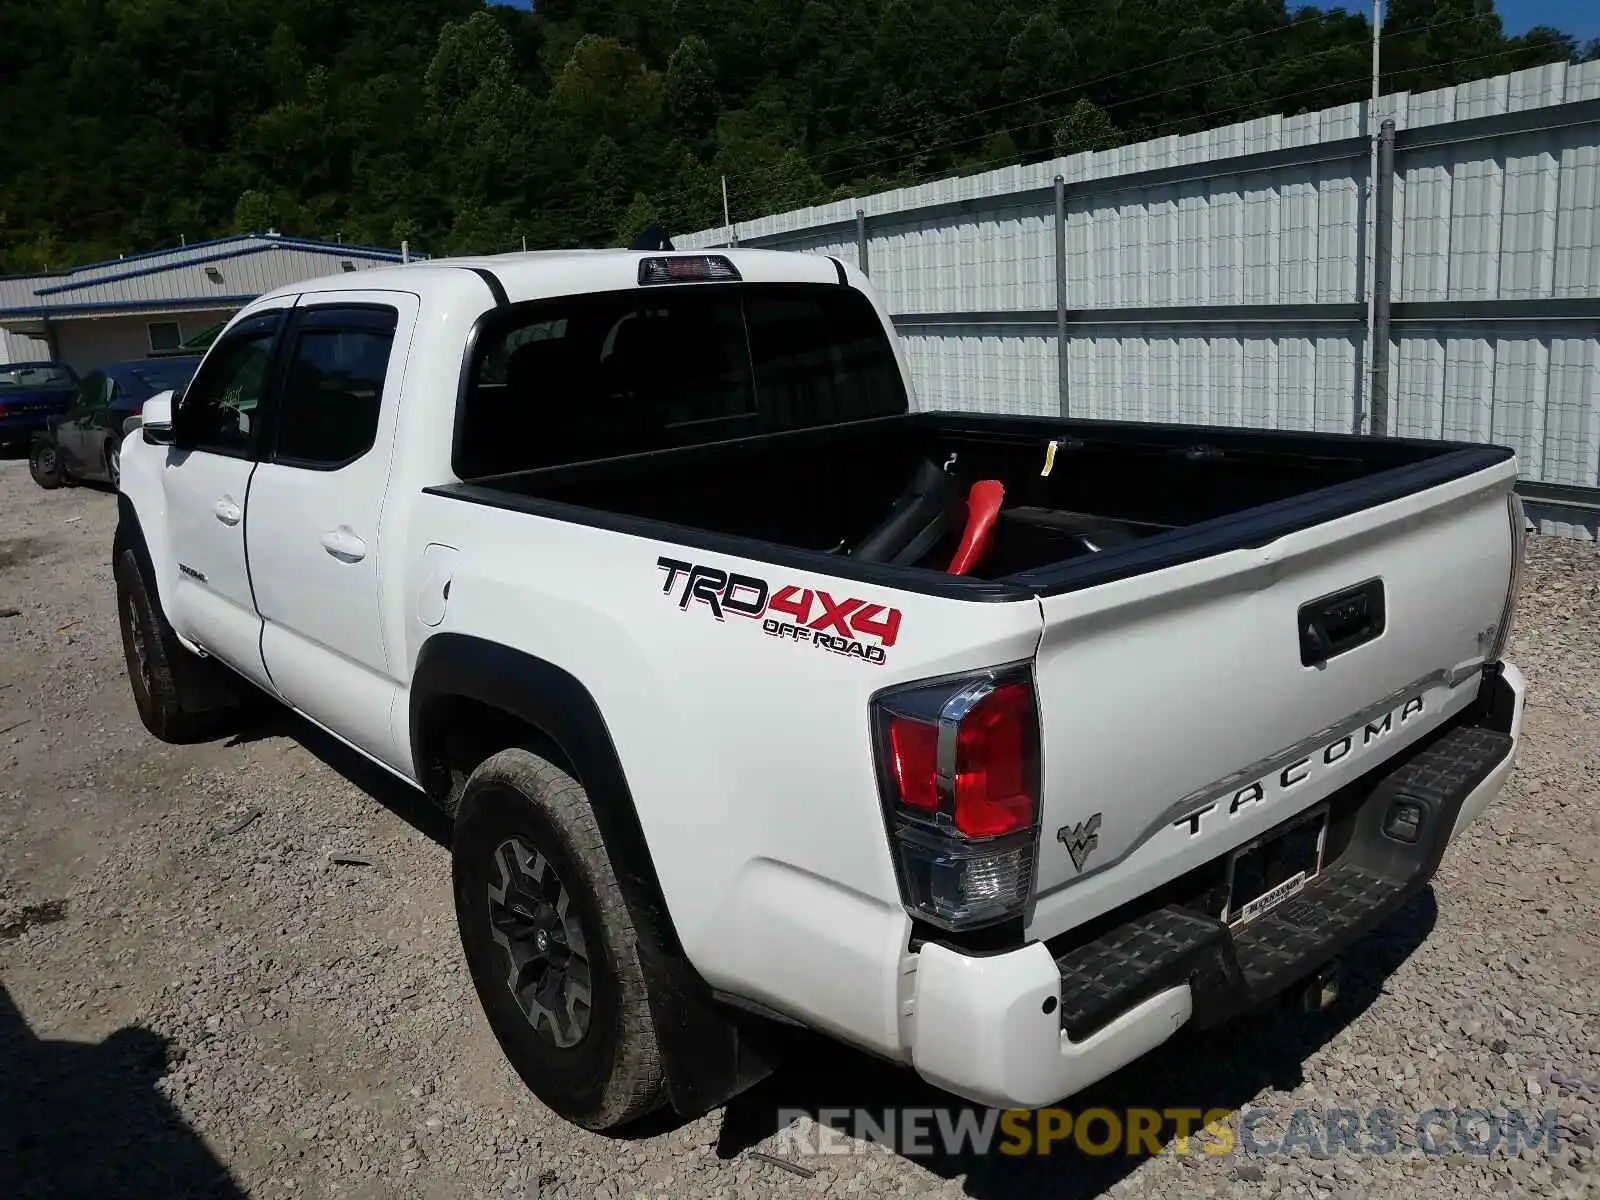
pixel 1117 499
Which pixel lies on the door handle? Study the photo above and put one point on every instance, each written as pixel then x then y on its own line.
pixel 227 511
pixel 344 545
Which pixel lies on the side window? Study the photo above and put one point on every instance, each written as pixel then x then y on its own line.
pixel 90 392
pixel 333 389
pixel 220 409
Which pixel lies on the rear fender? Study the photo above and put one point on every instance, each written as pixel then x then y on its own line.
pixel 710 1056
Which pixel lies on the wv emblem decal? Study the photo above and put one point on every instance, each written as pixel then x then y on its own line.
pixel 1080 839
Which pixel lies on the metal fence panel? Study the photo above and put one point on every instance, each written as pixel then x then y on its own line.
pixel 984 369
pixel 1240 375
pixel 1221 277
pixel 1004 261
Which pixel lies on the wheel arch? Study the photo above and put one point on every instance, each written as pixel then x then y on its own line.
pixel 129 535
pixel 709 1055
pixel 203 686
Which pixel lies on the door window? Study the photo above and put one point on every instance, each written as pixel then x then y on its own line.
pixel 333 389
pixel 90 392
pixel 107 393
pixel 220 409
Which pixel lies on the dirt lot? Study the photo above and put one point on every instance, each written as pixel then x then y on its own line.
pixel 232 969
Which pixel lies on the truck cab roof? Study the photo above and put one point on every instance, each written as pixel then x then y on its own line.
pixel 540 274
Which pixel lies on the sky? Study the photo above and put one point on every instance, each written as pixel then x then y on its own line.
pixel 1580 18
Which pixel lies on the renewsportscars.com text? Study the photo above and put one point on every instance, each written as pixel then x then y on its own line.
pixel 1380 1132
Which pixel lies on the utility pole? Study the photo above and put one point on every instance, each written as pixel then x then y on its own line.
pixel 1364 417
pixel 1063 342
pixel 727 221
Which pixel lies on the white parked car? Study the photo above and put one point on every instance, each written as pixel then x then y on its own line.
pixel 1001 747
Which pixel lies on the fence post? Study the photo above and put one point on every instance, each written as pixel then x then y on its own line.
pixel 861 240
pixel 1063 345
pixel 1382 245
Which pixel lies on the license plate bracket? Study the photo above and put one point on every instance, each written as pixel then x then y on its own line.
pixel 1264 873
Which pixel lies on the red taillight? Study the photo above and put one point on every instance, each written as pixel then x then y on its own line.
pixel 996 747
pixel 959 765
pixel 993 792
pixel 914 760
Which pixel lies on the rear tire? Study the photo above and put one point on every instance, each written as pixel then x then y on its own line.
pixel 550 944
pixel 150 648
pixel 44 464
pixel 114 465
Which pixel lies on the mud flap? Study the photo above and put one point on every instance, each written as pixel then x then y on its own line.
pixel 709 1053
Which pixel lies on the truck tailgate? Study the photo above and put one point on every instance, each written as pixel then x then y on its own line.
pixel 1186 711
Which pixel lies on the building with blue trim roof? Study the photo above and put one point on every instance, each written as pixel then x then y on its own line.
pixel 153 303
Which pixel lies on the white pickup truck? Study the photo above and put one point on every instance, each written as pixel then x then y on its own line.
pixel 1001 747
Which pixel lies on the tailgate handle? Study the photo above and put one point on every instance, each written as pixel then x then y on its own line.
pixel 1333 624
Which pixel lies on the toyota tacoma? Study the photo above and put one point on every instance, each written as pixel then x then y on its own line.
pixel 1001 747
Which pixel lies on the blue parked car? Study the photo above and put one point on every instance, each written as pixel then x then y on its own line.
pixel 31 393
pixel 85 441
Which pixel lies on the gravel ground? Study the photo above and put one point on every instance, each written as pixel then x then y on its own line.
pixel 232 969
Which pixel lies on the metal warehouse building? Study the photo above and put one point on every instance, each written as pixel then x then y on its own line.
pixel 127 308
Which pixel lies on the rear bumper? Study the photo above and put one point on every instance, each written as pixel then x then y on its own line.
pixel 1029 1027
pixel 16 426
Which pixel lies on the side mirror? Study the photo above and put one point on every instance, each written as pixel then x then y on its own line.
pixel 155 419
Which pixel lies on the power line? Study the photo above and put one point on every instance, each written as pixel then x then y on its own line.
pixel 1200 83
pixel 1293 26
pixel 1078 87
pixel 1156 129
pixel 1051 120
pixel 1004 160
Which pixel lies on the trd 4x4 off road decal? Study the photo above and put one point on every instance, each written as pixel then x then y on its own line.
pixel 850 626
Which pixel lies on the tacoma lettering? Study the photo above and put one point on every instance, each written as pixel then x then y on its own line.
pixel 1302 769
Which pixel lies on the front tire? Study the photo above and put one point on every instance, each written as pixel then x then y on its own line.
pixel 45 465
pixel 150 648
pixel 114 465
pixel 550 944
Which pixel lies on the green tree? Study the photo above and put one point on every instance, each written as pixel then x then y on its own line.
pixel 690 90
pixel 605 187
pixel 461 126
pixel 640 214
pixel 469 54
pixel 1086 126
pixel 606 89
pixel 256 212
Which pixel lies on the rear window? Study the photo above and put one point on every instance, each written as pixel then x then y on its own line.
pixel 161 377
pixel 37 375
pixel 586 377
